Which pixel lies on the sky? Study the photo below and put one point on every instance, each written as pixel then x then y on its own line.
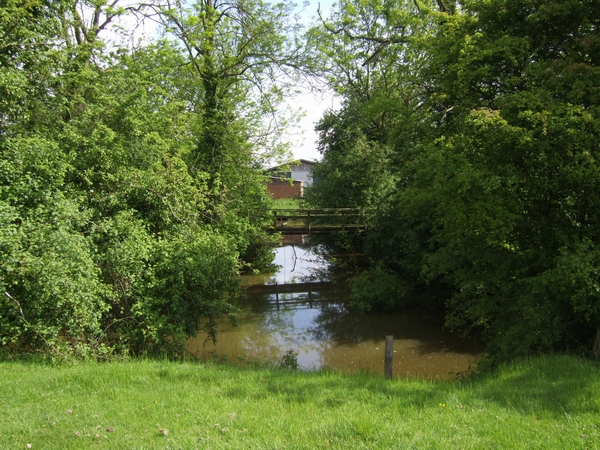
pixel 303 142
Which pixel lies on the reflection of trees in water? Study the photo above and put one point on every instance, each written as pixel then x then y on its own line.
pixel 336 323
pixel 311 262
pixel 305 262
pixel 322 326
pixel 337 254
pixel 320 270
pixel 300 264
pixel 260 336
pixel 275 331
pixel 340 324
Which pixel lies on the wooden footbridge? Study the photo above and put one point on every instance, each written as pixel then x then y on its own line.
pixel 297 294
pixel 316 221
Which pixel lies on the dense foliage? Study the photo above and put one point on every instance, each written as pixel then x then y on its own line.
pixel 494 207
pixel 130 190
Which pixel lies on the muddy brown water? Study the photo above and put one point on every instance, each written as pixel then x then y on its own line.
pixel 300 309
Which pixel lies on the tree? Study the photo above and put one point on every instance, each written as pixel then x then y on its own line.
pixel 501 193
pixel 369 52
pixel 493 210
pixel 243 56
pixel 241 53
pixel 373 53
pixel 107 239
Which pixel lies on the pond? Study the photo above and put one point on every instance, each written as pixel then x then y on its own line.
pixel 301 308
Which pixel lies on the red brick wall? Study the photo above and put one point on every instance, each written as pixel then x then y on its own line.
pixel 283 189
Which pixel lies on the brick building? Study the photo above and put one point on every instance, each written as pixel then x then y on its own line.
pixel 283 188
pixel 289 181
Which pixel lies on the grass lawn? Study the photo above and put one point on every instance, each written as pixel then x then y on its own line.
pixel 288 203
pixel 542 403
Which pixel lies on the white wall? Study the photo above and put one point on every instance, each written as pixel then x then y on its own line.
pixel 302 175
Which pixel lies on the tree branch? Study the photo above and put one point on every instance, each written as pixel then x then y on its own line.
pixel 362 37
pixel 24 320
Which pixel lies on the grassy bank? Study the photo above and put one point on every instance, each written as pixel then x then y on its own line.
pixel 551 402
pixel 288 203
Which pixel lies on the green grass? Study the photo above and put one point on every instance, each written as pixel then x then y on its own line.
pixel 288 203
pixel 549 402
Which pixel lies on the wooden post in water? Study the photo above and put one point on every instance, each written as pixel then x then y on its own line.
pixel 389 357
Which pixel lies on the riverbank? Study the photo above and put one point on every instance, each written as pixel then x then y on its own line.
pixel 548 402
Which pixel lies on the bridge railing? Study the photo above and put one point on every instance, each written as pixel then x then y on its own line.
pixel 315 220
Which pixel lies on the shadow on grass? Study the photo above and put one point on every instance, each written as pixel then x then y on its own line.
pixel 557 384
pixel 332 389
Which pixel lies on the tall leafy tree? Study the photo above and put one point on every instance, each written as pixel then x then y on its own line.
pixel 494 206
pixel 517 223
pixel 113 236
pixel 370 52
pixel 244 56
pixel 373 53
pixel 499 199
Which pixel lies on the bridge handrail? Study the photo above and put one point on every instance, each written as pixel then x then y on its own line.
pixel 316 220
pixel 310 211
pixel 316 209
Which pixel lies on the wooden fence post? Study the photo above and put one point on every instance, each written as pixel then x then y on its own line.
pixel 389 357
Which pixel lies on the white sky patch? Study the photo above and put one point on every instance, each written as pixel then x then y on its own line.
pixel 303 139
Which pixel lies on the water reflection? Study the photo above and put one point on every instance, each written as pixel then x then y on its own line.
pixel 299 308
pixel 299 262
